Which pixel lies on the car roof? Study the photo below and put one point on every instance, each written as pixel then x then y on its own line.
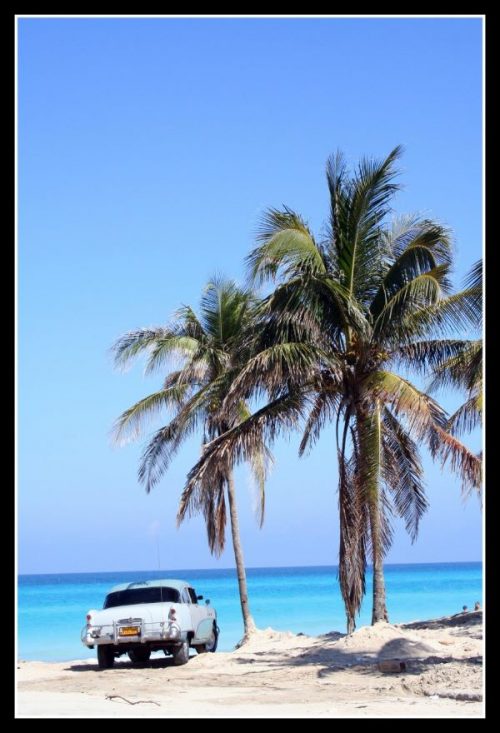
pixel 162 582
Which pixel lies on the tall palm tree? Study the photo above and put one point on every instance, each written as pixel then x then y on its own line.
pixel 210 350
pixel 346 312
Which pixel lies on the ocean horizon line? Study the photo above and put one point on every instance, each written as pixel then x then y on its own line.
pixel 249 568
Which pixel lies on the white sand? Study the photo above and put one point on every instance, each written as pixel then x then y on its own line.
pixel 279 674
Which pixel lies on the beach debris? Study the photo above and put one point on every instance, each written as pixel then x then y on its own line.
pixel 391 666
pixel 130 702
pixel 465 695
pixel 446 642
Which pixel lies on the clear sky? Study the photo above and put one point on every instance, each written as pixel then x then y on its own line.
pixel 148 149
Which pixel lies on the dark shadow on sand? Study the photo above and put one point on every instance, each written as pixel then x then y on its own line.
pixel 121 664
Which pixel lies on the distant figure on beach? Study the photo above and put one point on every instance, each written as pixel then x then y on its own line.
pixel 464 609
pixel 477 606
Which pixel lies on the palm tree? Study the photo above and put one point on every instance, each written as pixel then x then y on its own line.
pixel 346 312
pixel 210 349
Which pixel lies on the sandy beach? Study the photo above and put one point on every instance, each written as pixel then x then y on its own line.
pixel 279 674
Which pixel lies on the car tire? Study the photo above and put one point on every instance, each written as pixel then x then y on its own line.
pixel 212 646
pixel 105 656
pixel 181 654
pixel 139 656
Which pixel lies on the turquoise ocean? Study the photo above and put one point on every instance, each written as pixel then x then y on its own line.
pixel 52 608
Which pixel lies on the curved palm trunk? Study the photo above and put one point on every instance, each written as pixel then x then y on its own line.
pixel 248 622
pixel 379 609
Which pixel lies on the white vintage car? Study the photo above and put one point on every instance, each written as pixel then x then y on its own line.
pixel 145 616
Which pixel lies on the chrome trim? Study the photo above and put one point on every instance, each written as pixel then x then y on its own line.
pixel 148 631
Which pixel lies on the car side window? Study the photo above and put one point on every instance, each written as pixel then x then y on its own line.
pixel 192 595
pixel 185 597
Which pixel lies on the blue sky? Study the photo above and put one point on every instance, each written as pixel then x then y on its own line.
pixel 148 149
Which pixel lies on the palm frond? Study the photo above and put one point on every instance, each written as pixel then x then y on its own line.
pixel 422 413
pixel 158 454
pixel 176 346
pixel 417 251
pixel 434 237
pixel 412 297
pixel 324 406
pixel 369 193
pixel 313 308
pixel 474 279
pixel 239 443
pixel 402 473
pixel 224 307
pixel 428 355
pixel 467 417
pixel 386 515
pixel 260 464
pixel 471 296
pixel 279 366
pixel 214 511
pixel 447 316
pixel 397 234
pixel 196 372
pixel 132 343
pixel 129 424
pixel 353 531
pixel 287 246
pixel 189 324
pixel 212 504
pixel 462 460
pixel 462 370
pixel 338 186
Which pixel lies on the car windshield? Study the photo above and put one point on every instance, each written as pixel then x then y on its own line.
pixel 131 596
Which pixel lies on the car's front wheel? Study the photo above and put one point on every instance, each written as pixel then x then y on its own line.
pixel 181 654
pixel 105 656
pixel 211 644
pixel 139 656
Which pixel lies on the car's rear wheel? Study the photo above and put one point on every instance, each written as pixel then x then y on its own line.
pixel 181 654
pixel 139 656
pixel 105 656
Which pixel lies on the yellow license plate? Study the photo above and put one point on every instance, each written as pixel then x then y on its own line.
pixel 129 631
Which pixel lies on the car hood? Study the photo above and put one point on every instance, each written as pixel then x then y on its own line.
pixel 146 611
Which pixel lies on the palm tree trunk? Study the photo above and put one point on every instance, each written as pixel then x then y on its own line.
pixel 379 609
pixel 351 623
pixel 370 445
pixel 248 622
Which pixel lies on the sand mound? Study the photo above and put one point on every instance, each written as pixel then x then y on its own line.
pixel 386 641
